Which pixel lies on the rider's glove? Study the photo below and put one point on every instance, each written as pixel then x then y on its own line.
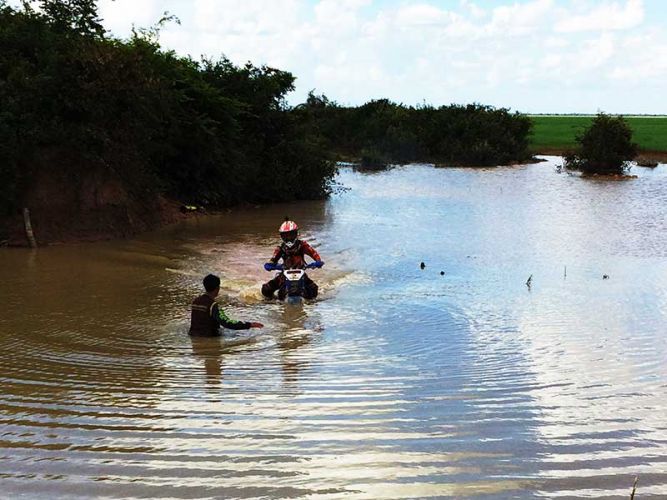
pixel 318 263
pixel 269 266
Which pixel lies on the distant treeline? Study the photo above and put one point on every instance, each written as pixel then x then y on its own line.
pixel 384 131
pixel 74 100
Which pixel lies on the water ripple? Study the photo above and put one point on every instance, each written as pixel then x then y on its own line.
pixel 397 382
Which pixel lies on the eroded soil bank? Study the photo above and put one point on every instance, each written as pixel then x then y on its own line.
pixel 94 207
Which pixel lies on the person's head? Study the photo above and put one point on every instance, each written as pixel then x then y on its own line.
pixel 212 284
pixel 289 232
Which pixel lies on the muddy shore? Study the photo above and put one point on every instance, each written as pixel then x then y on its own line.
pixel 659 156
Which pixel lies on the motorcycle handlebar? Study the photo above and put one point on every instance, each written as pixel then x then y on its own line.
pixel 280 267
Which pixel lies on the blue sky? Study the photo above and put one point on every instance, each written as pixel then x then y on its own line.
pixel 536 56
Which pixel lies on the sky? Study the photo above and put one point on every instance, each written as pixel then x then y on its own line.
pixel 533 56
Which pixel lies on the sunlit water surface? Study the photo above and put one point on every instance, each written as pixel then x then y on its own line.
pixel 397 382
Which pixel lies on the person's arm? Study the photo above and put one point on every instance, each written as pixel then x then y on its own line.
pixel 310 251
pixel 277 254
pixel 223 320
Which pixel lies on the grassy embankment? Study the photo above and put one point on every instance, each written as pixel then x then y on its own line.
pixel 556 134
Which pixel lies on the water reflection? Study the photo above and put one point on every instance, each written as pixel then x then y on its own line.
pixel 211 351
pixel 293 336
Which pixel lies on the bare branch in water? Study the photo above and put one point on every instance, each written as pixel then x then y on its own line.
pixel 634 488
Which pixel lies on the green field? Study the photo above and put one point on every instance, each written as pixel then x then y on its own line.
pixel 557 133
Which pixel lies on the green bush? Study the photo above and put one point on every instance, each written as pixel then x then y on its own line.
pixel 463 135
pixel 74 99
pixel 605 147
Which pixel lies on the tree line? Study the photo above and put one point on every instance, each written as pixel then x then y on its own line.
pixel 73 99
pixel 388 132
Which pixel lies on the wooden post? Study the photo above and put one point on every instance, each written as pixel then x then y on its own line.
pixel 28 228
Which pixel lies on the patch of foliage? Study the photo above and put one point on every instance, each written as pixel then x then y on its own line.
pixel 74 99
pixel 605 147
pixel 462 135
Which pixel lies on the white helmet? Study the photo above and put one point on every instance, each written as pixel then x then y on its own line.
pixel 289 232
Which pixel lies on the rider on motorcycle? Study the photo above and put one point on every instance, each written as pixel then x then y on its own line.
pixel 292 250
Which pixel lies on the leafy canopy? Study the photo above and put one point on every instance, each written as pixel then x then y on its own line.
pixel 604 147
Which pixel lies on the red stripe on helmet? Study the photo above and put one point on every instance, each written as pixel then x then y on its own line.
pixel 288 226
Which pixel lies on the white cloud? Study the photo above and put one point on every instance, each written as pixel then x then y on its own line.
pixel 608 16
pixel 262 31
pixel 238 17
pixel 644 59
pixel 418 15
pixel 596 52
pixel 556 42
pixel 519 18
pixel 534 55
pixel 475 11
pixel 119 15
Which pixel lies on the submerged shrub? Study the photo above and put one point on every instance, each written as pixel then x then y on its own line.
pixel 605 147
pixel 372 159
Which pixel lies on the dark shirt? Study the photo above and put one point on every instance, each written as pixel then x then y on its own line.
pixel 207 317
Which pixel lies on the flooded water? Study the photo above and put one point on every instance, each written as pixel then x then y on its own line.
pixel 397 382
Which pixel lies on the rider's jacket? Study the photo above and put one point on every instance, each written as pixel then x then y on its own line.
pixel 293 258
pixel 207 317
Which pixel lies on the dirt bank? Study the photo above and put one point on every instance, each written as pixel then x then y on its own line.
pixel 95 206
pixel 660 156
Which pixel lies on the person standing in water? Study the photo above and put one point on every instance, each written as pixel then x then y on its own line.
pixel 207 317
pixel 292 251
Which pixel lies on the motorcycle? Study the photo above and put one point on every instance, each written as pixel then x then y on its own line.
pixel 294 283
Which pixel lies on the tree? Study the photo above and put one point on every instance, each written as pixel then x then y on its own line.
pixel 605 147
pixel 77 16
pixel 80 105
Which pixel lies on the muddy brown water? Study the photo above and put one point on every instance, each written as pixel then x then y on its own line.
pixel 397 383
